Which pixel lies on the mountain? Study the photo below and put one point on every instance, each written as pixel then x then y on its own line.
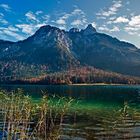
pixel 51 49
pixel 105 52
pixel 49 46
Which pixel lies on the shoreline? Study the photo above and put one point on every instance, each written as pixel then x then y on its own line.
pixel 79 84
pixel 94 84
pixel 100 84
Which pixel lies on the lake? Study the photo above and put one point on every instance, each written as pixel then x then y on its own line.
pixel 97 105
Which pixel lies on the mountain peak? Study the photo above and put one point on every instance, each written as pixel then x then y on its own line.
pixel 47 28
pixel 89 30
pixel 46 33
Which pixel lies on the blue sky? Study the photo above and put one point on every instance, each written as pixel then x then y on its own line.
pixel 119 18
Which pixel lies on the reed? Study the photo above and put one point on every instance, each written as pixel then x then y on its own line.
pixel 23 119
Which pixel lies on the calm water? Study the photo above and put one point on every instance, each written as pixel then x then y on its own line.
pixel 97 94
pixel 94 102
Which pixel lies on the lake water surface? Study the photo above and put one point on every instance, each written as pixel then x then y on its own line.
pixel 95 103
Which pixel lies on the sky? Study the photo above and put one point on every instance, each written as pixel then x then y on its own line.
pixel 20 19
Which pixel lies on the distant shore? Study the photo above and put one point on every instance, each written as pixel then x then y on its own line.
pixel 88 84
pixel 72 84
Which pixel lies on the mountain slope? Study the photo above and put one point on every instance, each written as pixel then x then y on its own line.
pixel 105 52
pixel 51 50
pixel 48 46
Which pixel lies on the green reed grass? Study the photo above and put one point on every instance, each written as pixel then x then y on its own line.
pixel 21 118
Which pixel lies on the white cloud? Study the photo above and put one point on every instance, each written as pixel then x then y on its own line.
pixel 34 22
pixel 45 18
pixel 26 28
pixel 23 30
pixel 39 25
pixel 14 29
pixel 132 33
pixel 77 22
pixel 115 29
pixel 11 32
pixel 79 18
pixel 78 11
pixel 116 20
pixel 104 28
pixel 5 7
pixel 111 10
pixel 133 26
pixel 135 21
pixel 94 24
pixel 129 28
pixel 121 20
pixel 76 17
pixel 2 20
pixel 112 18
pixel 61 21
pixel 29 29
pixel 31 16
pixel 109 22
pixel 38 12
